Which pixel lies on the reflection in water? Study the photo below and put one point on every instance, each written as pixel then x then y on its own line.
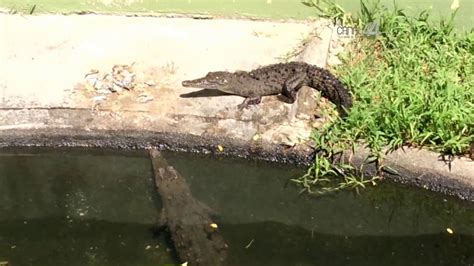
pixel 94 207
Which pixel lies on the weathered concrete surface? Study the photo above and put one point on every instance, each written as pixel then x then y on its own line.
pixel 132 130
pixel 425 169
pixel 44 60
pixel 43 57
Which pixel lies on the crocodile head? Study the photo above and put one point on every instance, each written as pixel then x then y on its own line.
pixel 219 80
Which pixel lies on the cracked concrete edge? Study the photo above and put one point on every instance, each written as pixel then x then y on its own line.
pixel 417 167
pixel 42 136
pixel 424 169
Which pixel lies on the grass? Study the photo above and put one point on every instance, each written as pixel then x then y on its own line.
pixel 413 85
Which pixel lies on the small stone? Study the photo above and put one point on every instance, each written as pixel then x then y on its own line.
pixel 143 98
pixel 104 91
pixel 127 82
pixel 304 106
pixel 116 88
pixel 150 83
pixel 99 98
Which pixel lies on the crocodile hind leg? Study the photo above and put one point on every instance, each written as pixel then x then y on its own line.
pixel 292 85
pixel 249 101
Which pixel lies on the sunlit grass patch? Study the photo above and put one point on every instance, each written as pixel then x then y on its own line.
pixel 413 85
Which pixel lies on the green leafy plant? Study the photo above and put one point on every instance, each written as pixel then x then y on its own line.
pixel 412 86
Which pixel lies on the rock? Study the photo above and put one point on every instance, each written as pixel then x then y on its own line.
pixel 128 81
pixel 305 105
pixel 143 98
pixel 316 51
pixel 99 98
pixel 150 83
pixel 116 88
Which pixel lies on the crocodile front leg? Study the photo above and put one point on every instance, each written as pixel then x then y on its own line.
pixel 249 101
pixel 292 85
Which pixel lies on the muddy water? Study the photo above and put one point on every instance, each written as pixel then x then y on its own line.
pixel 92 207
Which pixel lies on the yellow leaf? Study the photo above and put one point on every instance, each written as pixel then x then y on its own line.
pixel 256 137
pixel 213 225
pixel 220 148
pixel 450 231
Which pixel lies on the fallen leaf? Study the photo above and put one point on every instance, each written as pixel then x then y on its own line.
pixel 256 137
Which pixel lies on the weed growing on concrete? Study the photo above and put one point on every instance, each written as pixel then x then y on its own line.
pixel 412 86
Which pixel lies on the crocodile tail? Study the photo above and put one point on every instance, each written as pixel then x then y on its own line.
pixel 331 88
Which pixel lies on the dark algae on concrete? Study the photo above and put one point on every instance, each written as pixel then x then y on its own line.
pixel 283 78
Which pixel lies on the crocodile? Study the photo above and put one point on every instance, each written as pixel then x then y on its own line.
pixel 282 78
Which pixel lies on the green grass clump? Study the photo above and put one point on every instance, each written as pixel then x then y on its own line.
pixel 413 85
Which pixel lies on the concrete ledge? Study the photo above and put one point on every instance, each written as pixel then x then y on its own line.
pixel 424 169
pixel 134 139
pixel 417 167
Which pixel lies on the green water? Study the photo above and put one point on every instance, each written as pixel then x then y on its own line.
pixel 90 207
pixel 272 9
pixel 78 209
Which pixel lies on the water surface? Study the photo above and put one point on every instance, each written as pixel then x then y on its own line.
pixel 273 9
pixel 93 207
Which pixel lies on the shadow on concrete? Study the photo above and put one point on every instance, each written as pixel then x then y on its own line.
pixel 204 93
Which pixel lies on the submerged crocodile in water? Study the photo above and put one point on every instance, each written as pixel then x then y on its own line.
pixel 284 78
